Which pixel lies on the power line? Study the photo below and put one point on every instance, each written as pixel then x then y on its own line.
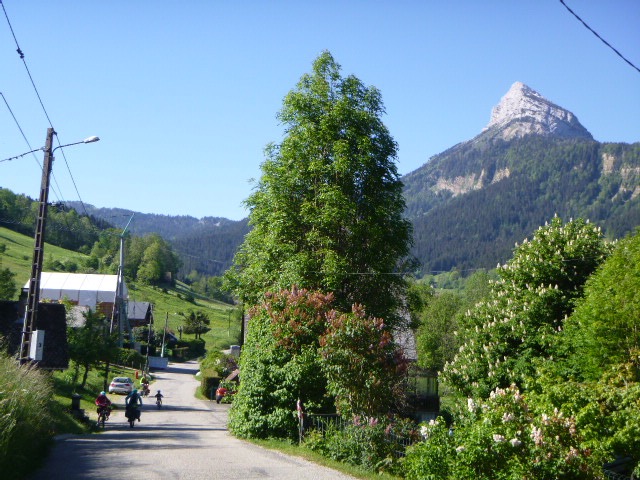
pixel 21 54
pixel 596 34
pixel 56 194
pixel 21 132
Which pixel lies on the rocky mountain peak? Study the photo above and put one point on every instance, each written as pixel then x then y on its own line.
pixel 523 111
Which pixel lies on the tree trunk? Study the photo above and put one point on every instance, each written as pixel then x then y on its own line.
pixel 86 374
pixel 76 373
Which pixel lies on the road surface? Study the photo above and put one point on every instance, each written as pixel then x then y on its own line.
pixel 186 439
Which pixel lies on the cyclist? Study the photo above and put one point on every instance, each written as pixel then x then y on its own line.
pixel 159 397
pixel 102 401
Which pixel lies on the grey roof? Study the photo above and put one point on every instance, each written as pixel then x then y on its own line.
pixel 138 310
pixel 405 337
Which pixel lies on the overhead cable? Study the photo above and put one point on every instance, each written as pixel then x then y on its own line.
pixel 55 181
pixel 596 34
pixel 21 54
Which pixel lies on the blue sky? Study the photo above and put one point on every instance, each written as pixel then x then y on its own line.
pixel 184 95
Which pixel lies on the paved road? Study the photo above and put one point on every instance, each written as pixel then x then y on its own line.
pixel 186 439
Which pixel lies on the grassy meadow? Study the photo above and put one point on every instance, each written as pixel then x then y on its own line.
pixel 168 303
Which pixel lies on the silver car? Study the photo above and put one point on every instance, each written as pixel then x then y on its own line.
pixel 121 385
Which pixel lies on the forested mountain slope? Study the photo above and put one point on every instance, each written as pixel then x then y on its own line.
pixel 507 189
pixel 471 203
pixel 206 245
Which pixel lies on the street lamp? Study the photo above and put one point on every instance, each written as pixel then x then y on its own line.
pixel 31 312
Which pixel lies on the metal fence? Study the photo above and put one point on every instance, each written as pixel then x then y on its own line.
pixel 324 422
pixel 610 475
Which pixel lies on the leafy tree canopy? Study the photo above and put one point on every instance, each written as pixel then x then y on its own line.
pixel 196 323
pixel 8 285
pixel 604 329
pixel 327 213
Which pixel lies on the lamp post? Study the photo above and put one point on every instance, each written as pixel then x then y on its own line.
pixel 33 297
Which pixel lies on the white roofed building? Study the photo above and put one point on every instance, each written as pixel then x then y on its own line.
pixel 95 291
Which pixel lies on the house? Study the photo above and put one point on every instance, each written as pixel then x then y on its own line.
pixel 422 389
pixel 95 291
pixel 51 319
pixel 139 314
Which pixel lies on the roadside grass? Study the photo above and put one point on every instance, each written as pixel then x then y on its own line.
pixel 289 448
pixel 26 415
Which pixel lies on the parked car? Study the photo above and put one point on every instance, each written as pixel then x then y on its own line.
pixel 121 385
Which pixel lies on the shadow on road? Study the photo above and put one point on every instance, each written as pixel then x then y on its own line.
pixel 186 370
pixel 151 407
pixel 142 427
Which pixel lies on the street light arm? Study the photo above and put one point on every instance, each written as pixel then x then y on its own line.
pixel 86 140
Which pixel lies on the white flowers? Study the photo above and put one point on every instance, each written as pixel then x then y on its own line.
pixel 508 417
pixel 471 405
pixel 536 436
pixel 515 442
pixel 425 430
pixel 498 438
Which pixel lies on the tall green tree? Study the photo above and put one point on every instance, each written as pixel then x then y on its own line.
pixel 436 343
pixel 327 213
pixel 7 282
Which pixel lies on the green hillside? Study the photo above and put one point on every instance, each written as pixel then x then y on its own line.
pixel 168 302
pixel 18 255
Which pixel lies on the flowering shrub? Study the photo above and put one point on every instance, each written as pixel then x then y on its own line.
pixel 503 438
pixel 503 336
pixel 368 442
pixel 352 341
pixel 433 457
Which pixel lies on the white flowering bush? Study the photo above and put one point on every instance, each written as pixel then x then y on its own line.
pixel 432 457
pixel 504 336
pixel 503 437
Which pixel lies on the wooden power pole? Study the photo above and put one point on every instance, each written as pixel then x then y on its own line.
pixel 33 298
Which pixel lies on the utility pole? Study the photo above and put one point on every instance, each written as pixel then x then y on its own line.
pixel 118 304
pixel 146 363
pixel 33 297
pixel 164 334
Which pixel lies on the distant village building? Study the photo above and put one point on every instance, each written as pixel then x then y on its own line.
pixel 95 291
pixel 139 314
